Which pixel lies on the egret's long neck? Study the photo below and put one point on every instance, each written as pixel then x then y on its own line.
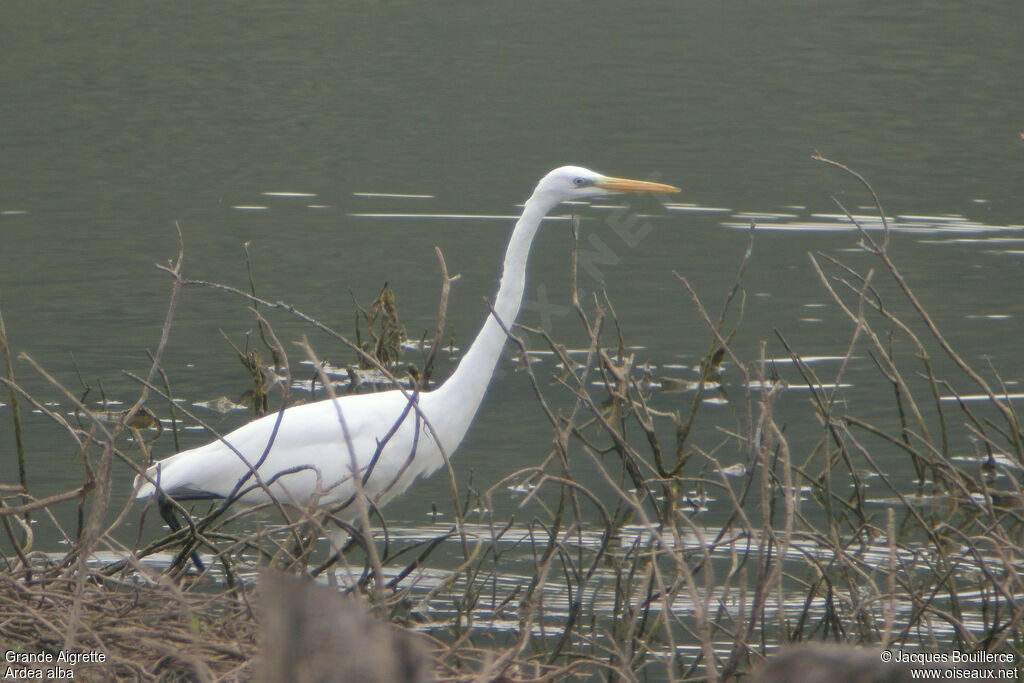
pixel 468 384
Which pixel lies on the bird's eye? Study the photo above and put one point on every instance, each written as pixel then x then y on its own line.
pixel 579 182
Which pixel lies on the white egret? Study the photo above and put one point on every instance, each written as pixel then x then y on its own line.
pixel 306 453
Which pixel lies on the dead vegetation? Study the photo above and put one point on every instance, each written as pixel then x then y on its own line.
pixel 643 545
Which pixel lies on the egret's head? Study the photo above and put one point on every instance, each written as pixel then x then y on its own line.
pixel 570 183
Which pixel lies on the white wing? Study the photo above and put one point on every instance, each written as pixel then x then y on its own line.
pixel 302 454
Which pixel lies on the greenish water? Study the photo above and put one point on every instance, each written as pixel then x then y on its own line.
pixel 287 127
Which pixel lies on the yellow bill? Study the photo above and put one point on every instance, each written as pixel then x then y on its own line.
pixel 627 185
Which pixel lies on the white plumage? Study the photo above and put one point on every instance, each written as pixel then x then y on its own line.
pixel 306 453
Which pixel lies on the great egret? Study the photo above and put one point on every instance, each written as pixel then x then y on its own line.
pixel 307 453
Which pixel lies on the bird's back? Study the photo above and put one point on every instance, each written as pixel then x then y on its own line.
pixel 303 454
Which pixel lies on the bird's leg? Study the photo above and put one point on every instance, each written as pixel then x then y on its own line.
pixel 167 512
pixel 341 540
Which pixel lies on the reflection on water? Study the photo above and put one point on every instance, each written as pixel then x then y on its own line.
pixel 927 225
pixel 392 195
pixel 436 595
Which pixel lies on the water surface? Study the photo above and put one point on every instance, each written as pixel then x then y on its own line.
pixel 342 143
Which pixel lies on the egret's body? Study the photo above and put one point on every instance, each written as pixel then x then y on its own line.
pixel 306 453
